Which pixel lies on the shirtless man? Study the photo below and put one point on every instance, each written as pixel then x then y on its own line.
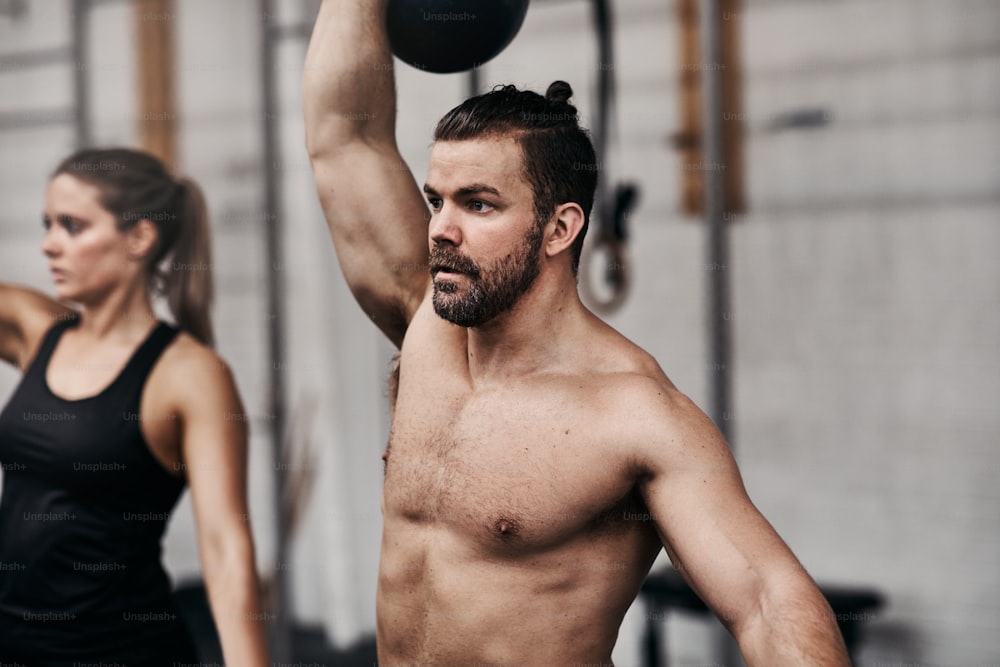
pixel 538 460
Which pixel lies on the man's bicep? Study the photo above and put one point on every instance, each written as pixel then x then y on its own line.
pixel 716 538
pixel 378 222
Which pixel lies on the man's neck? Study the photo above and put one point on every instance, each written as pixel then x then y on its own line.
pixel 528 338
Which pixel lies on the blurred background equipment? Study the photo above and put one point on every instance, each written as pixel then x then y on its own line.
pixel 604 267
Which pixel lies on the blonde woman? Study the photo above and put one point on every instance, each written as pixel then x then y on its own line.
pixel 115 414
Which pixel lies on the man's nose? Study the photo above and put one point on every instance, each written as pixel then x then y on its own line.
pixel 445 227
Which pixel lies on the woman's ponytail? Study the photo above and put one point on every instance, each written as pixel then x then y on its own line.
pixel 187 283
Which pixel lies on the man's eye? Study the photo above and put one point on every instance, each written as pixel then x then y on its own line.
pixel 479 206
pixel 434 202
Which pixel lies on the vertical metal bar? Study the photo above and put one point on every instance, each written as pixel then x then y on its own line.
pixel 473 82
pixel 719 364
pixel 602 121
pixel 281 625
pixel 80 14
pixel 653 653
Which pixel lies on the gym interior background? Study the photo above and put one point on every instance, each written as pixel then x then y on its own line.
pixel 865 291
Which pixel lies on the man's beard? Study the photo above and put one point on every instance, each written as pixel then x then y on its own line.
pixel 492 290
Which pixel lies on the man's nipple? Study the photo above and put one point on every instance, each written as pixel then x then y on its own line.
pixel 506 528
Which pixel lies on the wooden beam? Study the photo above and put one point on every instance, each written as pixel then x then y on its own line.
pixel 689 140
pixel 733 117
pixel 155 22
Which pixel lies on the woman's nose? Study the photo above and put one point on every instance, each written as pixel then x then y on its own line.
pixel 50 244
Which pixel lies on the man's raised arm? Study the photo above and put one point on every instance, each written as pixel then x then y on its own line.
pixel 376 213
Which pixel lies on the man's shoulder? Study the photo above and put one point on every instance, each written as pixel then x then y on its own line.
pixel 637 417
pixel 620 366
pixel 630 390
pixel 639 397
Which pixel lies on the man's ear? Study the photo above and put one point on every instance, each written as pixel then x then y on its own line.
pixel 563 228
pixel 141 239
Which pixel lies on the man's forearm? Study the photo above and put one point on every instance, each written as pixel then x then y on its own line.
pixel 795 627
pixel 348 86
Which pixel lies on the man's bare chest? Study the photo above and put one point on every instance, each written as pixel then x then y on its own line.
pixel 506 469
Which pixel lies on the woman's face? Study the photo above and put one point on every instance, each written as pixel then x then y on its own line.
pixel 88 257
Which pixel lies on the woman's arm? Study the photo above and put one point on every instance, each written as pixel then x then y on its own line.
pixel 214 448
pixel 25 316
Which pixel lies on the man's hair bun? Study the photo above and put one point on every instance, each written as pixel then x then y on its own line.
pixel 559 91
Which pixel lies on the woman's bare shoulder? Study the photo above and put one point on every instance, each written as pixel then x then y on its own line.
pixel 25 315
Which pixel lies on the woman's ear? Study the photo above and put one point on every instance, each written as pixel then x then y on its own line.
pixel 141 239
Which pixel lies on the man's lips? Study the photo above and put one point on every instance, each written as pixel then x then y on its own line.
pixel 444 260
pixel 439 269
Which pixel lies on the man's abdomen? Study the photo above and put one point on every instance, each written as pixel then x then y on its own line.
pixel 443 600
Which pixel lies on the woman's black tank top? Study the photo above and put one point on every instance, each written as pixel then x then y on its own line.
pixel 83 509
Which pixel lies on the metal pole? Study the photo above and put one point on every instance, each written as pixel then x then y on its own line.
pixel 78 61
pixel 281 625
pixel 473 82
pixel 719 364
pixel 602 121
